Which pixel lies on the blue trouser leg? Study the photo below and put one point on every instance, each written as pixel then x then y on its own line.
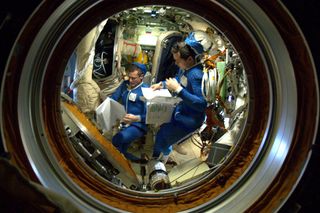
pixel 124 138
pixel 168 134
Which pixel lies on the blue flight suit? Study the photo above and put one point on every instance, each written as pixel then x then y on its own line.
pixel 188 115
pixel 131 99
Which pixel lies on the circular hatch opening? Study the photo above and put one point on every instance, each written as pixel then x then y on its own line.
pixel 265 140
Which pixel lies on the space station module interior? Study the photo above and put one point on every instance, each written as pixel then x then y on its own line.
pixel 146 35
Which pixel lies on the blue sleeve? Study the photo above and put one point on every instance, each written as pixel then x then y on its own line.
pixel 144 111
pixel 194 99
pixel 118 93
pixel 177 77
pixel 164 85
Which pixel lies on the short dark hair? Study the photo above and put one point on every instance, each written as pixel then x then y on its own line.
pixel 133 67
pixel 184 49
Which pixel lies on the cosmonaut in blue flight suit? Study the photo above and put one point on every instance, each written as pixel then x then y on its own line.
pixel 189 114
pixel 130 94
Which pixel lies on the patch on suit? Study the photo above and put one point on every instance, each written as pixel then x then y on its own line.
pixel 132 96
pixel 184 81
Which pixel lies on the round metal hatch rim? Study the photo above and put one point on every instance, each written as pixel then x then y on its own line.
pixel 284 117
pixel 274 150
pixel 23 94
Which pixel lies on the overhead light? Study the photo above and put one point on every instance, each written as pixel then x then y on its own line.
pixel 147 39
pixel 147 10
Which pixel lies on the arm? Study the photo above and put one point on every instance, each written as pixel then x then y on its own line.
pixel 157 86
pixel 138 109
pixel 117 94
pixel 192 99
pixel 130 118
pixel 177 78
pixel 144 112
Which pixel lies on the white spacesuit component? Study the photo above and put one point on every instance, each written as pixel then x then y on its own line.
pixel 86 89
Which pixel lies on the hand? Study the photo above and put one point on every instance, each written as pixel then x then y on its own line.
pixel 172 84
pixel 156 86
pixel 129 118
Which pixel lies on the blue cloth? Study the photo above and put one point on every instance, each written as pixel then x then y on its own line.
pixel 136 106
pixel 189 114
pixel 133 104
pixel 124 138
